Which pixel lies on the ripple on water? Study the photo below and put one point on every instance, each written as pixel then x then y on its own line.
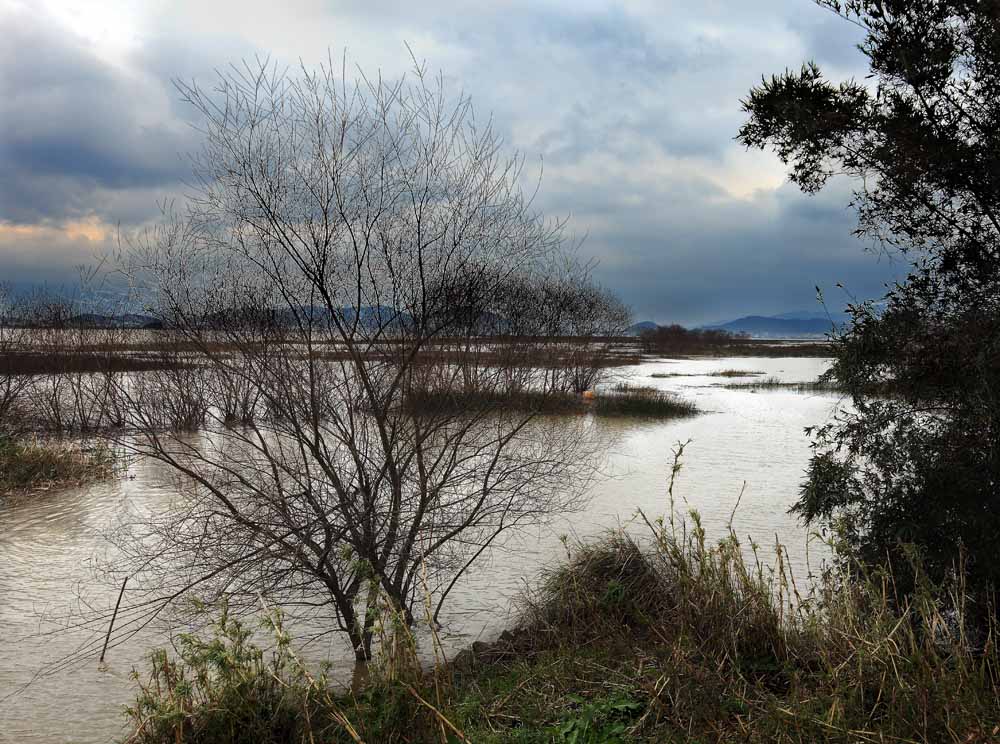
pixel 749 443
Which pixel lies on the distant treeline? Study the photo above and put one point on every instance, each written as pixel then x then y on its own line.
pixel 672 340
pixel 678 339
pixel 72 361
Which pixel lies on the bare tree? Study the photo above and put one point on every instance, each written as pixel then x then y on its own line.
pixel 591 317
pixel 13 342
pixel 73 363
pixel 346 248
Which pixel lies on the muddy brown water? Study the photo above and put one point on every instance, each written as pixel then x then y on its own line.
pixel 749 442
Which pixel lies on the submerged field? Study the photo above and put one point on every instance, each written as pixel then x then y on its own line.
pixel 740 443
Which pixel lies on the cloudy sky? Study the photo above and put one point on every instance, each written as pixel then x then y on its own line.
pixel 631 106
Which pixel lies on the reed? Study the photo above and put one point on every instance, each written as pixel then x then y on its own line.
pixel 774 383
pixel 720 373
pixel 33 465
pixel 619 401
pixel 642 402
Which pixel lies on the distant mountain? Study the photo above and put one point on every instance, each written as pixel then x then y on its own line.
pixel 812 315
pixel 369 317
pixel 128 320
pixel 777 326
pixel 638 328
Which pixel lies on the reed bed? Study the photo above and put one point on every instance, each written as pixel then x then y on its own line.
pixel 720 373
pixel 736 373
pixel 34 465
pixel 642 402
pixel 773 383
pixel 621 400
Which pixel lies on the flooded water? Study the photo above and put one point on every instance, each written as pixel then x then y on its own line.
pixel 743 442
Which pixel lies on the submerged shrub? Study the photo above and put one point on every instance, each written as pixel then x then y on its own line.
pixel 172 399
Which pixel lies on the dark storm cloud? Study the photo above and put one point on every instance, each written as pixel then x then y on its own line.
pixel 631 115
pixel 685 251
pixel 76 128
pixel 632 107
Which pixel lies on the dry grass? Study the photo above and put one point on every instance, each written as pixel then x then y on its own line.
pixel 34 465
pixel 774 383
pixel 720 373
pixel 642 402
pixel 674 639
pixel 622 400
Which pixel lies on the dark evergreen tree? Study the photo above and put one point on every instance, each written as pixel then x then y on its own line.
pixel 918 460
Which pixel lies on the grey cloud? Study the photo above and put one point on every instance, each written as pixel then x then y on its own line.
pixel 676 259
pixel 831 41
pixel 613 79
pixel 611 98
pixel 166 58
pixel 76 127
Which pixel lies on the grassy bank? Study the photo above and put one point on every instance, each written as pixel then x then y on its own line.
pixel 676 640
pixel 31 465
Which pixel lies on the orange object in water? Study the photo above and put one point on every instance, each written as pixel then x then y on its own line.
pixel 588 394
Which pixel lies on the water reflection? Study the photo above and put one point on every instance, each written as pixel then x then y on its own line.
pixel 749 442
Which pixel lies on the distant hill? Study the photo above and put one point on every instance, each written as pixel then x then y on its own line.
pixel 787 325
pixel 128 320
pixel 638 328
pixel 369 317
pixel 812 315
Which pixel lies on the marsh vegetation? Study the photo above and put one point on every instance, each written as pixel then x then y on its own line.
pixel 627 640
pixel 31 465
pixel 822 385
pixel 719 373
